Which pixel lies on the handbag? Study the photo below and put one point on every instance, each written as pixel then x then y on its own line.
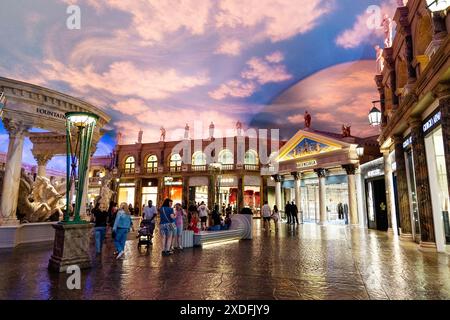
pixel 172 226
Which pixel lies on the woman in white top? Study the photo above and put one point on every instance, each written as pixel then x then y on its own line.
pixel 203 212
pixel 266 214
pixel 275 216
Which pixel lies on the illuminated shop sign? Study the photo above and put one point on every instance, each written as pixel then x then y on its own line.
pixel 432 122
pixel 170 181
pixel 407 142
pixel 127 184
pixel 306 164
pixel 375 173
pixel 226 180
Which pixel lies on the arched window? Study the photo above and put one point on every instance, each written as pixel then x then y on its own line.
pixel 251 157
pixel 175 162
pixel 152 164
pixel 199 159
pixel 226 158
pixel 129 164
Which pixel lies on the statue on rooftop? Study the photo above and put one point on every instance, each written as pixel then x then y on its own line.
pixel 307 120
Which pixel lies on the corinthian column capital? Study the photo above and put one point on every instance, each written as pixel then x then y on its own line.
pixel 15 128
pixel 43 159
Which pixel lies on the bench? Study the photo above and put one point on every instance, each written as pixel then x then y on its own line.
pixel 208 237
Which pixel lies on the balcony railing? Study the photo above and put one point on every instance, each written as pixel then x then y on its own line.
pixel 226 167
pixel 251 167
pixel 198 167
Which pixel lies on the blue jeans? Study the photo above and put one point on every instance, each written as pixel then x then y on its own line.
pixel 121 238
pixel 100 233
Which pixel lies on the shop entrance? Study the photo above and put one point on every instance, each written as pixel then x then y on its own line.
pixel 413 196
pixel 198 194
pixel 379 204
pixel 126 193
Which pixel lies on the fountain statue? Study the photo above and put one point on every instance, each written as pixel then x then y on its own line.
pixel 39 200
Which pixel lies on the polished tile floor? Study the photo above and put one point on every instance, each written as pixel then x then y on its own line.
pixel 305 262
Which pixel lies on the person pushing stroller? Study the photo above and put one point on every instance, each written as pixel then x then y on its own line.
pixel 148 218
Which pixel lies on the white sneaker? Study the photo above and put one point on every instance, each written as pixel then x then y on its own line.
pixel 120 255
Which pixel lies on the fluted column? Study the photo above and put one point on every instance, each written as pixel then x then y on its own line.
pixel 240 197
pixel 352 204
pixel 427 234
pixel 42 160
pixel 321 173
pixel 402 191
pixel 297 187
pixel 444 105
pixel 13 166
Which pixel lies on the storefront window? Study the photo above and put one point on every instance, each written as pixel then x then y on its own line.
pixel 149 193
pixel 126 194
pixel 413 195
pixel 438 182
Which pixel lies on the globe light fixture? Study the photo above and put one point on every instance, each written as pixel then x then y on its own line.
pixel 81 125
pixel 437 5
pixel 375 115
pixel 360 151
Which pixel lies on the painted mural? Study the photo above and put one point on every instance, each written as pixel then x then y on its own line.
pixel 307 147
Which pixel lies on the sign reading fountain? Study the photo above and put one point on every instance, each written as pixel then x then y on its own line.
pixel 71 245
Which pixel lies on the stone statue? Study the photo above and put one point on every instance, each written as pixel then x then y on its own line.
pixel 239 128
pixel 163 134
pixel 140 136
pixel 119 138
pixel 211 130
pixel 106 193
pixel 346 131
pixel 186 131
pixel 39 200
pixel 387 25
pixel 380 59
pixel 307 120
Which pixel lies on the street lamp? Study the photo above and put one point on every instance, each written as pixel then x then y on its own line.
pixel 77 158
pixel 375 115
pixel 437 5
pixel 360 151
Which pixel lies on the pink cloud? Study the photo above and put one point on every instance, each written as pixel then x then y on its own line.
pixel 230 47
pixel 154 20
pixel 276 19
pixel 275 57
pixel 264 72
pixel 367 27
pixel 130 106
pixel 125 79
pixel 233 88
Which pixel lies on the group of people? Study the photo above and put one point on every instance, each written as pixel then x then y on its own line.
pixel 268 215
pixel 118 219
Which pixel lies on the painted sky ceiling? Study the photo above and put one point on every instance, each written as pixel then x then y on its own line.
pixel 150 62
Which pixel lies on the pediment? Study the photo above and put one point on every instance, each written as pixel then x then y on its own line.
pixel 305 144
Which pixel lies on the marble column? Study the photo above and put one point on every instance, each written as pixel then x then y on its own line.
pixel 390 197
pixel 360 199
pixel 297 188
pixel 402 191
pixel 42 160
pixel 277 179
pixel 427 234
pixel 321 173
pixel 13 167
pixel 351 184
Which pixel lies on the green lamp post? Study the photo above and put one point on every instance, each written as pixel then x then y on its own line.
pixel 78 152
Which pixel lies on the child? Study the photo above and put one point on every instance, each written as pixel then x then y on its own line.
pixel 194 221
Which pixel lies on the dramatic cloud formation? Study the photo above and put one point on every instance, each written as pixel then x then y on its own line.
pixel 280 19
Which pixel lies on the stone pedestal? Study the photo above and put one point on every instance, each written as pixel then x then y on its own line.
pixel 71 247
pixel 427 246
